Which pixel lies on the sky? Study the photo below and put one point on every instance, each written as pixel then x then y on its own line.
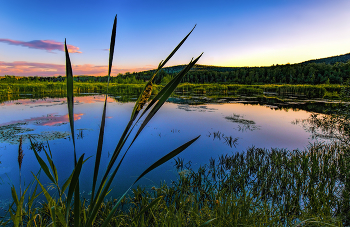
pixel 230 33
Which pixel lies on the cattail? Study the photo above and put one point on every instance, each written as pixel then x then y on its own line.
pixel 145 96
pixel 20 153
pixel 20 159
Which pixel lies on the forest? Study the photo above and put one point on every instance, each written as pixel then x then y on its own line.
pixel 313 72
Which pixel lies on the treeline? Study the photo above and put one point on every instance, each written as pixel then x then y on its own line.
pixel 312 73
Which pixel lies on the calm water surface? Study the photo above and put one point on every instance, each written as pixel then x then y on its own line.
pixel 218 124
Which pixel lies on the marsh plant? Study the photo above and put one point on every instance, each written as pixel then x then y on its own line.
pixel 67 208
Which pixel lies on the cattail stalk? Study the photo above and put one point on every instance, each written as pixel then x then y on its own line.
pixel 20 159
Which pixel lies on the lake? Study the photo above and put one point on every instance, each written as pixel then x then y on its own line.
pixel 226 127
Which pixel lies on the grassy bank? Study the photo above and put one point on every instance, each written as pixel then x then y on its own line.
pixel 9 91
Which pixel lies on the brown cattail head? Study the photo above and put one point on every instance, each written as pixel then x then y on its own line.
pixel 20 153
pixel 145 96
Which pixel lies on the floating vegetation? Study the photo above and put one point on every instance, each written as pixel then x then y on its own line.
pixel 243 124
pixel 200 108
pixel 11 134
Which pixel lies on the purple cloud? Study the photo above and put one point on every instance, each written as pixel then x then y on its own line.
pixel 48 45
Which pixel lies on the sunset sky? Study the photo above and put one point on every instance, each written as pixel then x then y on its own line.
pixel 230 33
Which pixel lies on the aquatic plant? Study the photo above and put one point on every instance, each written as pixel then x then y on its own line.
pixel 60 209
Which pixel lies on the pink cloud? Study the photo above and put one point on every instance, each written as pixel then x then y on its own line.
pixel 23 68
pixel 48 45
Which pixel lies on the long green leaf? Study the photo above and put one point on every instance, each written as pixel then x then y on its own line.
pixel 14 196
pixel 123 139
pixel 168 90
pixel 70 97
pixel 103 120
pixel 124 136
pixel 53 216
pixel 53 168
pixel 73 184
pixel 42 163
pixel 153 166
pixel 77 205
pixel 207 222
pixel 47 195
pixel 167 157
pixel 160 66
pixel 67 183
pixel 146 208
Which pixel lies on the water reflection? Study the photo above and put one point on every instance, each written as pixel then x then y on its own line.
pixel 242 124
pixel 46 119
pixel 228 140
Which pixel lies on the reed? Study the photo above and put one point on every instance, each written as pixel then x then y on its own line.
pixel 68 207
pixel 257 187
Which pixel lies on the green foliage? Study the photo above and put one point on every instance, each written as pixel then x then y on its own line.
pixel 257 187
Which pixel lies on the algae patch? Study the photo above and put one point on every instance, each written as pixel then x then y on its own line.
pixel 12 132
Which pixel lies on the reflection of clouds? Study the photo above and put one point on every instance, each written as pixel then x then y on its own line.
pixel 48 120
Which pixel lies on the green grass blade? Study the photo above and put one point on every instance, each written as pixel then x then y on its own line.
pixel 70 97
pixel 146 208
pixel 111 213
pixel 14 196
pixel 112 44
pixel 53 216
pixel 125 136
pixel 53 167
pixel 116 152
pixel 165 95
pixel 174 51
pixel 73 184
pixel 208 222
pixel 167 157
pixel 155 165
pixel 47 195
pixel 163 91
pixel 67 183
pixel 77 205
pixel 160 66
pixel 42 163
pixel 100 138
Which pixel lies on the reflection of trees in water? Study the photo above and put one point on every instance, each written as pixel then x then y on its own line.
pixel 333 126
pixel 243 124
pixel 228 140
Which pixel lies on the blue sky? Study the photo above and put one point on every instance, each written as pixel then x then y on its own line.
pixel 230 33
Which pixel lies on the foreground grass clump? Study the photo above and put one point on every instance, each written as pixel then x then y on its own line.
pixel 64 204
pixel 258 187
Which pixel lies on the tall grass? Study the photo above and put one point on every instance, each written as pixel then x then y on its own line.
pixel 65 210
pixel 257 187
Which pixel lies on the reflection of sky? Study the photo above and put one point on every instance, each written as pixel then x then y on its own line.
pixel 48 120
pixel 171 127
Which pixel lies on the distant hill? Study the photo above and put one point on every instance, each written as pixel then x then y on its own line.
pixel 330 60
